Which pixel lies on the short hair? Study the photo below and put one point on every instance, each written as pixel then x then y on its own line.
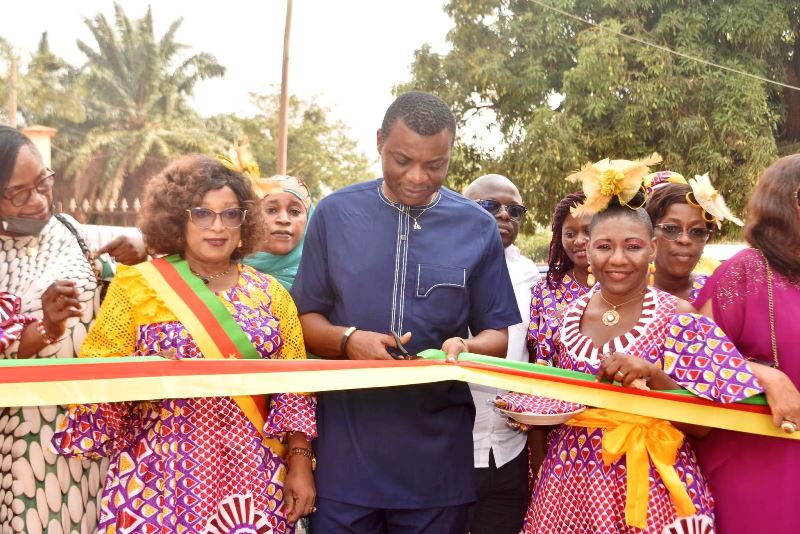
pixel 664 196
pixel 772 216
pixel 558 262
pixel 616 209
pixel 424 113
pixel 181 186
pixel 11 141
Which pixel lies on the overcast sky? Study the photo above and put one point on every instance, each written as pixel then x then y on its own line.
pixel 346 53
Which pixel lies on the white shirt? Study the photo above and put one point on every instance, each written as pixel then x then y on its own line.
pixel 490 431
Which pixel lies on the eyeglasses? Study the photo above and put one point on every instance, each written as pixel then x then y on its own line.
pixel 204 218
pixel 515 211
pixel 671 232
pixel 22 195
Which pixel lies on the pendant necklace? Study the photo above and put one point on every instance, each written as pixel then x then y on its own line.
pixel 611 317
pixel 416 225
pixel 206 278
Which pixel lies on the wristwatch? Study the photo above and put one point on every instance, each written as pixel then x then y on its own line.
pixel 302 451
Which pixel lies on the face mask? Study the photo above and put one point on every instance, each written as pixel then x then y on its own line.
pixel 24 225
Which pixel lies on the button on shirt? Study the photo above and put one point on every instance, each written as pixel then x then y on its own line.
pixel 490 431
pixel 364 265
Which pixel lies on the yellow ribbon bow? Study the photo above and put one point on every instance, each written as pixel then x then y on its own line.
pixel 642 440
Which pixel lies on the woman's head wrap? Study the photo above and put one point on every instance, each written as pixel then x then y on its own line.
pixel 606 179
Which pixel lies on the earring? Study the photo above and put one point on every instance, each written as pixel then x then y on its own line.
pixel 652 270
pixel 590 279
pixel 240 244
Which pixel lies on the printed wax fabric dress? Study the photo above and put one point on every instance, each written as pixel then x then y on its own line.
pixel 575 492
pixel 546 307
pixel 185 465
pixel 698 282
pixel 40 491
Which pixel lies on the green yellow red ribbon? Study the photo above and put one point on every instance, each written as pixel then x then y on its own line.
pixel 67 381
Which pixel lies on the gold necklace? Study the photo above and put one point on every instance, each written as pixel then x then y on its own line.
pixel 206 278
pixel 611 317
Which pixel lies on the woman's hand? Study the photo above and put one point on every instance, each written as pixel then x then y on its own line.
pixel 627 370
pixel 59 303
pixel 299 491
pixel 782 396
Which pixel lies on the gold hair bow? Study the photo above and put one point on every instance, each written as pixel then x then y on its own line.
pixel 710 201
pixel 240 159
pixel 606 179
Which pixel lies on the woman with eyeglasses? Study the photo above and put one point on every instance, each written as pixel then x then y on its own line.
pixel 755 298
pixel 45 265
pixel 187 465
pixel 683 226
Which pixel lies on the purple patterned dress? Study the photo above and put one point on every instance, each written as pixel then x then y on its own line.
pixel 575 492
pixel 186 465
pixel 698 282
pixel 546 307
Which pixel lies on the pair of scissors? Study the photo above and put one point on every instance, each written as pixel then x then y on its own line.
pixel 400 353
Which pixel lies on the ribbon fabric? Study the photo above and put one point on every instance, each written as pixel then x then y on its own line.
pixel 641 440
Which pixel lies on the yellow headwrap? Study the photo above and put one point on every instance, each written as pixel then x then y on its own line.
pixel 606 179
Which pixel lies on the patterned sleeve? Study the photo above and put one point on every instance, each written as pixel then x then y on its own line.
pixel 12 323
pixel 290 412
pixel 541 329
pixel 700 357
pixel 114 332
pixel 95 430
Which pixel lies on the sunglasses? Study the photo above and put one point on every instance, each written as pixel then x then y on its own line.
pixel 515 211
pixel 671 232
pixel 204 218
pixel 22 195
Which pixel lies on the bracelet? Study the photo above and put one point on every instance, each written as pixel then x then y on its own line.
pixel 302 451
pixel 463 342
pixel 45 336
pixel 345 338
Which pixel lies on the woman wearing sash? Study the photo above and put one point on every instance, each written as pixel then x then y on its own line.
pixel 202 464
pixel 685 215
pixel 624 331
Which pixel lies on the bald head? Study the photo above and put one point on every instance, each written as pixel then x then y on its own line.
pixel 503 191
pixel 491 184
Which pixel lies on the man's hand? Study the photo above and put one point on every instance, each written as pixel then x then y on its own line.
pixel 125 249
pixel 366 345
pixel 453 347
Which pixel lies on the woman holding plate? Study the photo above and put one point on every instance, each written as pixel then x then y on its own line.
pixel 624 331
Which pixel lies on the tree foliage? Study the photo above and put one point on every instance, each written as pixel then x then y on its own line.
pixel 562 92
pixel 319 150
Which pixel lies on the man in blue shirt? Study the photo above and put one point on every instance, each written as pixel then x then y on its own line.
pixel 401 255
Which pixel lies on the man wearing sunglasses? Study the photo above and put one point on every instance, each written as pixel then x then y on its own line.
pixel 401 255
pixel 501 454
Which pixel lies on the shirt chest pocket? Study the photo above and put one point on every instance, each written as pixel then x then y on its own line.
pixel 440 291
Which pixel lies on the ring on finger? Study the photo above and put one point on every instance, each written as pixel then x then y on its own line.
pixel 620 375
pixel 788 426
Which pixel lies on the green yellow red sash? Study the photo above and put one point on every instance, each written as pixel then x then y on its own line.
pixel 210 324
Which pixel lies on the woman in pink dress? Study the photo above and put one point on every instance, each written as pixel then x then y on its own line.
pixel 755 298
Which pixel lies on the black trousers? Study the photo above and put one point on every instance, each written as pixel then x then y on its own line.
pixel 503 497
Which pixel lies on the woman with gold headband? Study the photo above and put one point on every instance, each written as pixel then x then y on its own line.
pixel 287 206
pixel 685 215
pixel 626 332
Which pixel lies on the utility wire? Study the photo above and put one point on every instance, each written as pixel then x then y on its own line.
pixel 664 48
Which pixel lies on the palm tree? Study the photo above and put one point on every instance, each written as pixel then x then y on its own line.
pixel 136 108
